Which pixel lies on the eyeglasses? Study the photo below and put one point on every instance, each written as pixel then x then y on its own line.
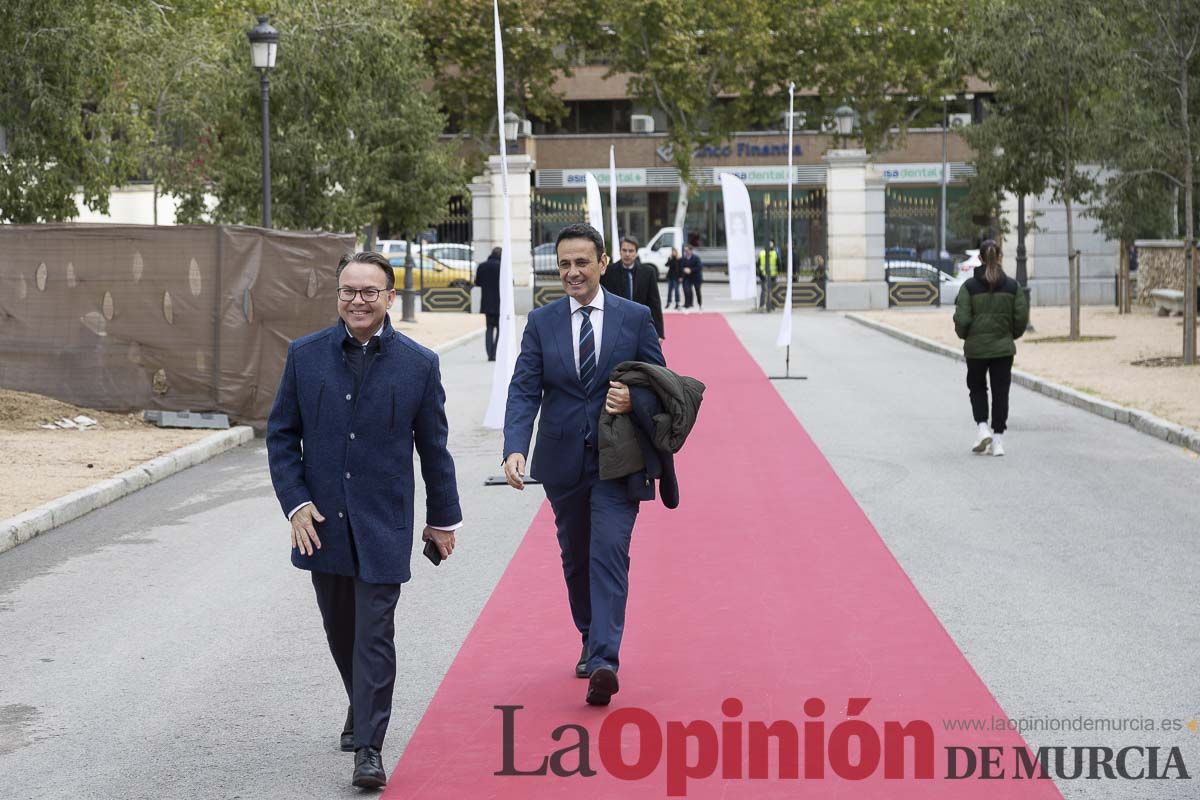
pixel 369 294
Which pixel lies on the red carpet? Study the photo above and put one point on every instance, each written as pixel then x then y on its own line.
pixel 768 585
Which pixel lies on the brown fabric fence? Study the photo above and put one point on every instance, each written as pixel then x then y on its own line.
pixel 131 317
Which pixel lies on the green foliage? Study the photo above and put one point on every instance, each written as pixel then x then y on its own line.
pixel 62 110
pixel 543 39
pixel 888 61
pixel 96 94
pixel 354 131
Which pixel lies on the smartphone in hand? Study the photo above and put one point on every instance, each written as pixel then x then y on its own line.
pixel 433 552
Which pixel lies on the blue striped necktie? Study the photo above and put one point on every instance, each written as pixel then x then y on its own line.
pixel 587 349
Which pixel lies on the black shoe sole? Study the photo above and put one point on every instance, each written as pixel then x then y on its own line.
pixel 369 781
pixel 601 687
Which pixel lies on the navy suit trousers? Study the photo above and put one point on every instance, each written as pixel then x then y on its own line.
pixel 595 523
pixel 360 625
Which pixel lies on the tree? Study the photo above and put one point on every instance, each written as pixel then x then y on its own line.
pixel 63 115
pixel 1049 61
pixel 543 40
pixel 1155 124
pixel 354 128
pixel 891 62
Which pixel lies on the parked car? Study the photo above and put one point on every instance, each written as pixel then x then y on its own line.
pixel 658 250
pixel 452 254
pixel 545 259
pixel 430 272
pixel 390 247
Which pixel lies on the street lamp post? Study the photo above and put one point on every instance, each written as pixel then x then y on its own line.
pixel 844 117
pixel 264 41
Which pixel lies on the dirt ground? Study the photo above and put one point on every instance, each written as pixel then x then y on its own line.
pixel 38 465
pixel 1103 367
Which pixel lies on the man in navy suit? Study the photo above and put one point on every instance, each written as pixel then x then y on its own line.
pixel 569 348
pixel 353 401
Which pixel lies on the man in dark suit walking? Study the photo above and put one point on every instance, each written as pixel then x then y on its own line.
pixel 693 277
pixel 568 349
pixel 635 281
pixel 487 278
pixel 353 401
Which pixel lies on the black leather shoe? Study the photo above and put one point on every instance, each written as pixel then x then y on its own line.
pixel 368 769
pixel 348 732
pixel 581 667
pixel 602 685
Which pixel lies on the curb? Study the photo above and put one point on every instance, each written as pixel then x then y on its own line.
pixel 1141 421
pixel 35 521
pixel 457 340
pixel 28 524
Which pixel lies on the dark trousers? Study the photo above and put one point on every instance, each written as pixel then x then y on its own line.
pixel 360 625
pixel 978 370
pixel 672 292
pixel 491 335
pixel 767 299
pixel 691 286
pixel 595 524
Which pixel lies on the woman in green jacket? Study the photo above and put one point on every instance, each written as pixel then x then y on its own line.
pixel 990 314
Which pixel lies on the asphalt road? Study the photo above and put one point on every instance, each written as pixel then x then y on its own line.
pixel 164 646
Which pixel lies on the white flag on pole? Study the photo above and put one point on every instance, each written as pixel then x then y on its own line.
pixel 595 212
pixel 785 327
pixel 506 345
pixel 739 236
pixel 614 244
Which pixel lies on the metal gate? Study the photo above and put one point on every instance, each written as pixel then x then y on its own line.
pixel 445 262
pixel 913 284
pixel 550 212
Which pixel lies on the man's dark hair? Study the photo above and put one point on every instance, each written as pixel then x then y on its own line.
pixel 496 251
pixel 368 257
pixel 581 230
pixel 631 240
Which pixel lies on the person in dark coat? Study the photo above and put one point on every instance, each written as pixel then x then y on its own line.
pixel 353 401
pixel 990 314
pixel 487 278
pixel 633 280
pixel 674 273
pixel 693 276
pixel 561 379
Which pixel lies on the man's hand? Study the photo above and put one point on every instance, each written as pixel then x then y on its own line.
pixel 617 401
pixel 304 531
pixel 443 539
pixel 514 470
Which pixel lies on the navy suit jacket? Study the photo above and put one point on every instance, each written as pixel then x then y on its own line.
pixel 353 456
pixel 545 380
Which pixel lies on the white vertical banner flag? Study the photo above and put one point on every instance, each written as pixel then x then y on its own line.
pixel 595 211
pixel 506 346
pixel 614 244
pixel 785 327
pixel 739 236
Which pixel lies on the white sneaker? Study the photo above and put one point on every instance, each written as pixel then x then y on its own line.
pixel 984 440
pixel 997 448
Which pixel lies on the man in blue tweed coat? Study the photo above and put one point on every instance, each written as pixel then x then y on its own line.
pixel 353 401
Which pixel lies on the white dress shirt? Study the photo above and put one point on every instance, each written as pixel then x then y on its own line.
pixel 453 527
pixel 597 318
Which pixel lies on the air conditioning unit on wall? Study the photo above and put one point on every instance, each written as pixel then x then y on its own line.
pixel 798 120
pixel 641 123
pixel 959 120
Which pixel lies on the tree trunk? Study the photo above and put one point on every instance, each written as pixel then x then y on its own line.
pixel 1072 267
pixel 681 209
